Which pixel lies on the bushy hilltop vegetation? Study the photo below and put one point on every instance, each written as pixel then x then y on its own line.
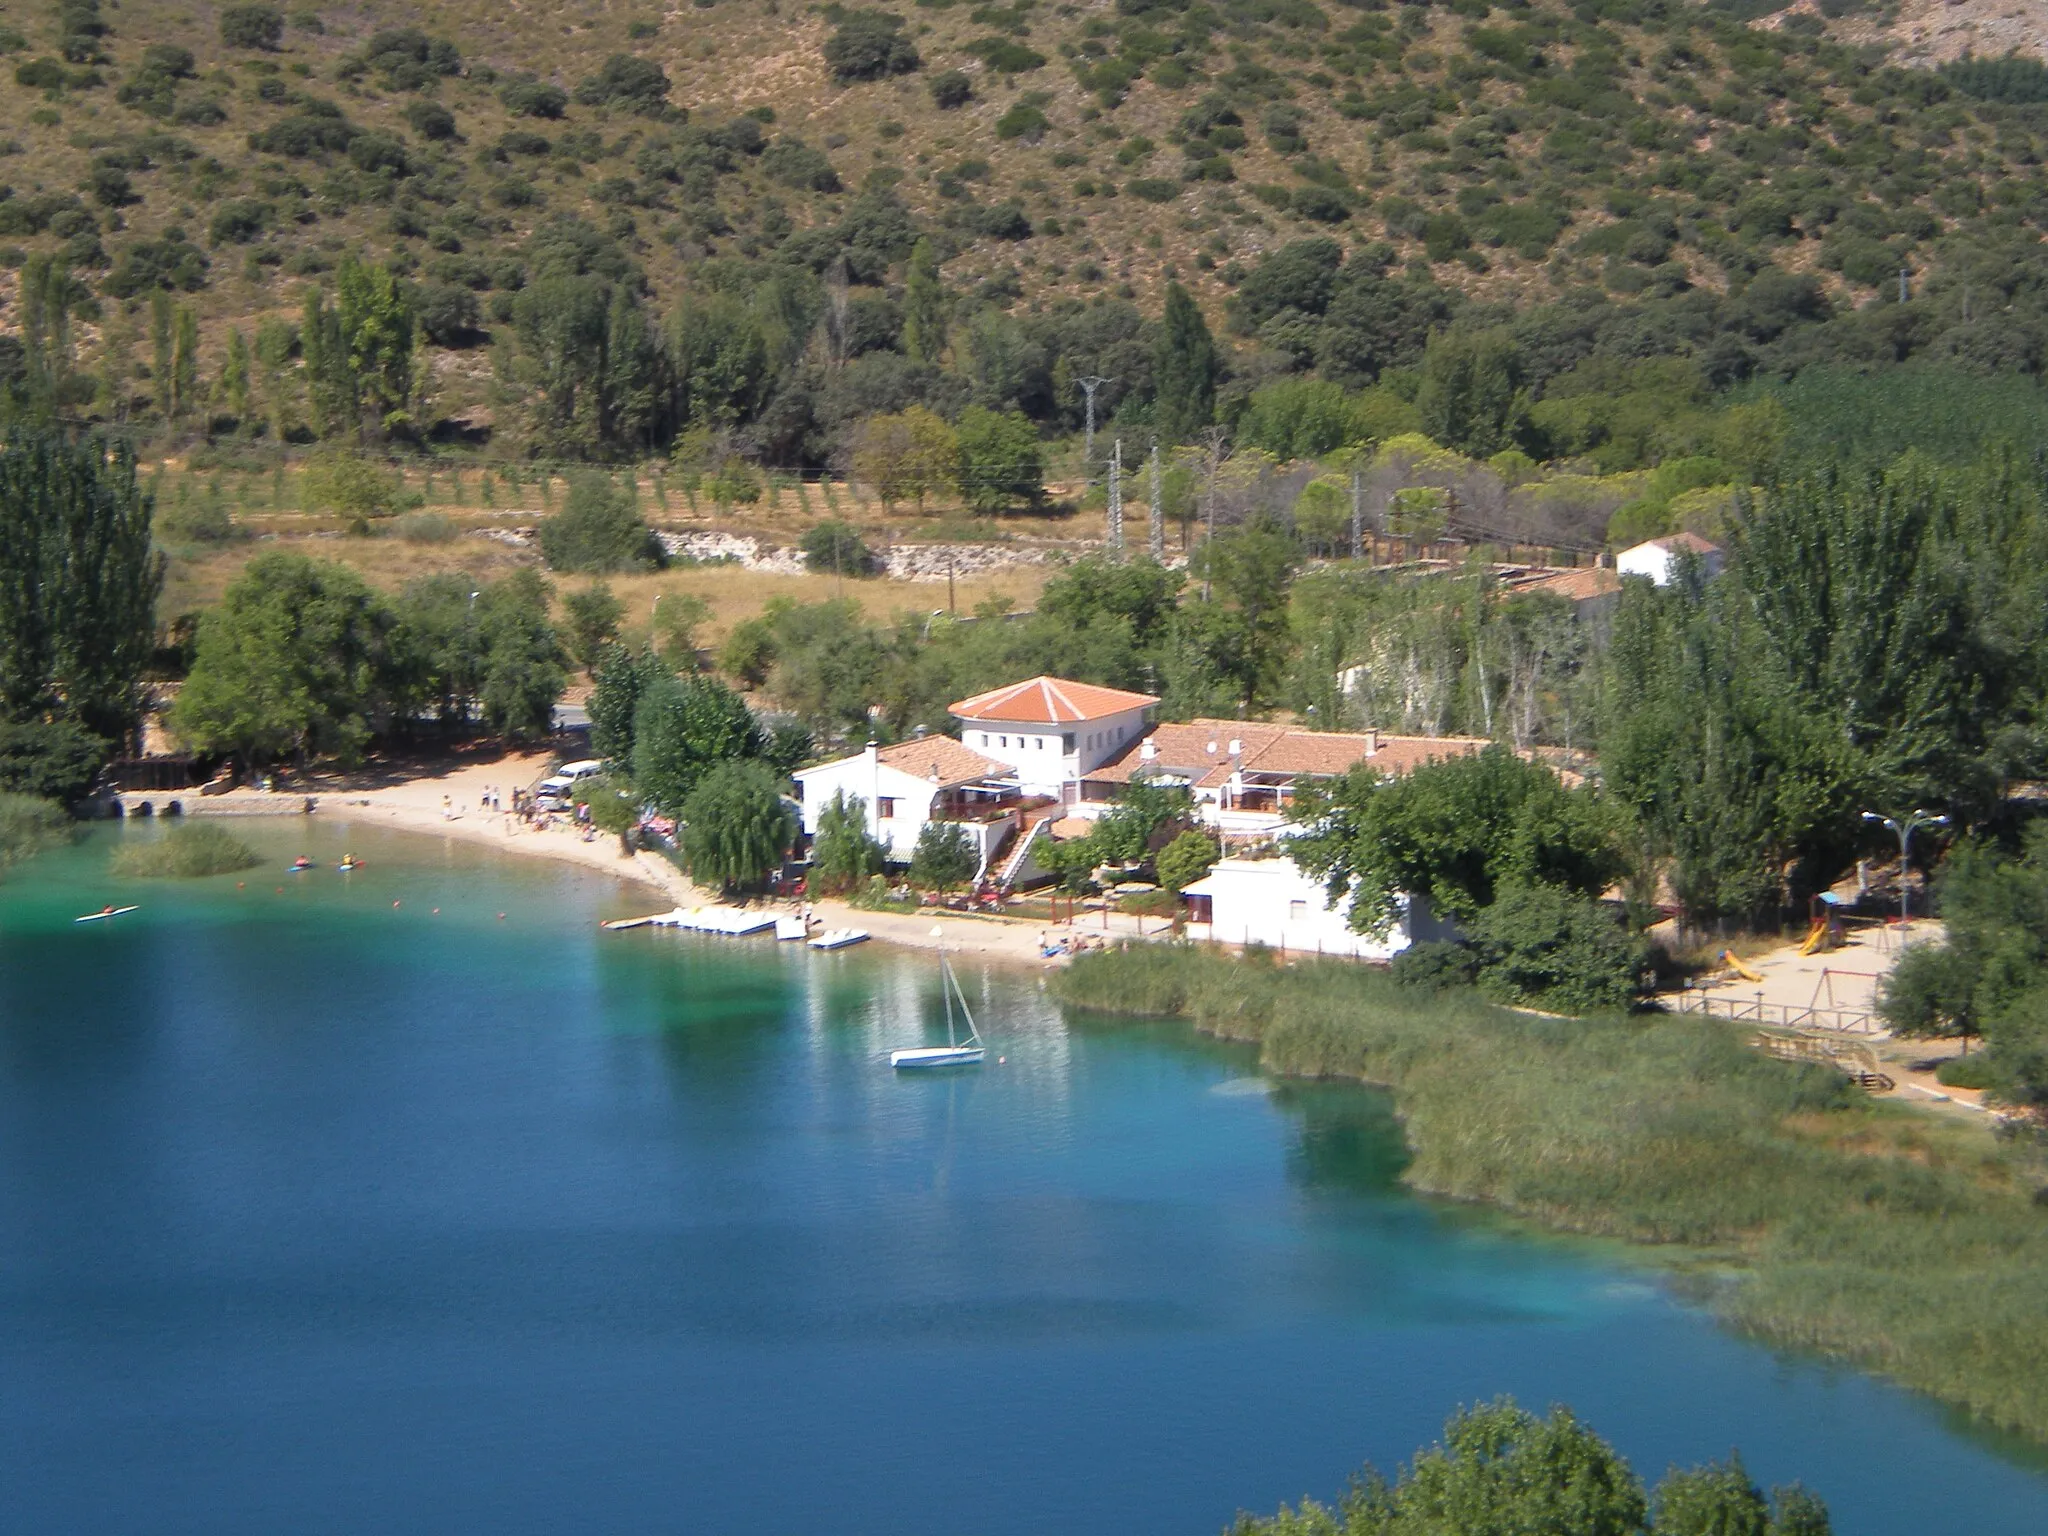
pixel 743 227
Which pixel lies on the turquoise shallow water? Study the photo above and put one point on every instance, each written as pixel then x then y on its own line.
pixel 320 1214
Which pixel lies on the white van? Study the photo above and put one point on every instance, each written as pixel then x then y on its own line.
pixel 589 768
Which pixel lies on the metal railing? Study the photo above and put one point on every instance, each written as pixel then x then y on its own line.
pixel 1852 1021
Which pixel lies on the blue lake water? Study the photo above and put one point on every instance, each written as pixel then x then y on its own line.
pixel 322 1210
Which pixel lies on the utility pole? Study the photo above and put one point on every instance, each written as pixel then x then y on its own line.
pixel 1157 542
pixel 1902 285
pixel 1088 387
pixel 1357 511
pixel 1116 497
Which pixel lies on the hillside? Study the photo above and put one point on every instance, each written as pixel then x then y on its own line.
pixel 1625 178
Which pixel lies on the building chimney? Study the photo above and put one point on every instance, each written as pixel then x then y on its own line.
pixel 1236 747
pixel 920 732
pixel 934 774
pixel 1148 751
pixel 1212 749
pixel 1372 741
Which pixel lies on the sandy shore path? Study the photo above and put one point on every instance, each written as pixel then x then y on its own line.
pixel 451 802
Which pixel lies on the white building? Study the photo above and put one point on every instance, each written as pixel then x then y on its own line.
pixel 1243 774
pixel 1052 732
pixel 1658 559
pixel 930 778
pixel 1271 901
pixel 1022 750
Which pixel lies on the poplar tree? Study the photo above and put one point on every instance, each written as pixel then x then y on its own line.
pixel 184 362
pixel 374 321
pixel 276 340
pixel 1184 368
pixel 234 380
pixel 631 375
pixel 924 305
pixel 160 350
pixel 330 384
pixel 78 582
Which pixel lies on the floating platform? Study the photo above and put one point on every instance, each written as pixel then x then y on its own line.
pixel 839 938
pixel 729 922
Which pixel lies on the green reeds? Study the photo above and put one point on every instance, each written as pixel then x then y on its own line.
pixel 189 852
pixel 1860 1229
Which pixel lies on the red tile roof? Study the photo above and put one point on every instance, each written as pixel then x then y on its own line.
pixel 1578 586
pixel 1691 541
pixel 1050 701
pixel 944 761
pixel 1199 751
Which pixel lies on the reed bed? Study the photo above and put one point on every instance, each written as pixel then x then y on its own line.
pixel 186 853
pixel 1812 1216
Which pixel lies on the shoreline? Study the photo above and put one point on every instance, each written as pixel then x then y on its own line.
pixel 1901 1245
pixel 451 804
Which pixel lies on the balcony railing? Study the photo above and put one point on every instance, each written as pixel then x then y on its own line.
pixel 981 809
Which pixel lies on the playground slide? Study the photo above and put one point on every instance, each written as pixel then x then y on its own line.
pixel 1728 959
pixel 1816 938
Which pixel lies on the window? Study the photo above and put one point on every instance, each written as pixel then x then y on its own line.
pixel 1067 742
pixel 885 807
pixel 1297 911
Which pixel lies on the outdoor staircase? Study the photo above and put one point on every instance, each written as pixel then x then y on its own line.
pixel 1018 849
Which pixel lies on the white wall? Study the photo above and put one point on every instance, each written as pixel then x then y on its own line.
pixel 1649 560
pixel 1271 902
pixel 1658 563
pixel 1045 764
pixel 874 781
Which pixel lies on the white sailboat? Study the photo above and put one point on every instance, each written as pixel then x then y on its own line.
pixel 956 1052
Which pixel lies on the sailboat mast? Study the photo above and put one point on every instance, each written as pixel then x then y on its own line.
pixel 946 987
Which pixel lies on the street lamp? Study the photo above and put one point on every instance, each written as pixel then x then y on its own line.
pixel 1904 831
pixel 928 621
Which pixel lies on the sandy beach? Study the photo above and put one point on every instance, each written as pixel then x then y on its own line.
pixel 451 802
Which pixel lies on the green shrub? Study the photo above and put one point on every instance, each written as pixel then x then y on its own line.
pixel 28 825
pixel 426 528
pixel 629 83
pixel 201 520
pixel 528 97
pixel 189 852
pixel 950 88
pixel 1976 1070
pixel 251 26
pixel 869 45
pixel 1023 121
pixel 598 531
pixel 1435 966
pixel 1152 189
pixel 350 487
pixel 835 548
pixel 1546 945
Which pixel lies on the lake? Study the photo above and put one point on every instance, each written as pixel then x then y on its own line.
pixel 408 1201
